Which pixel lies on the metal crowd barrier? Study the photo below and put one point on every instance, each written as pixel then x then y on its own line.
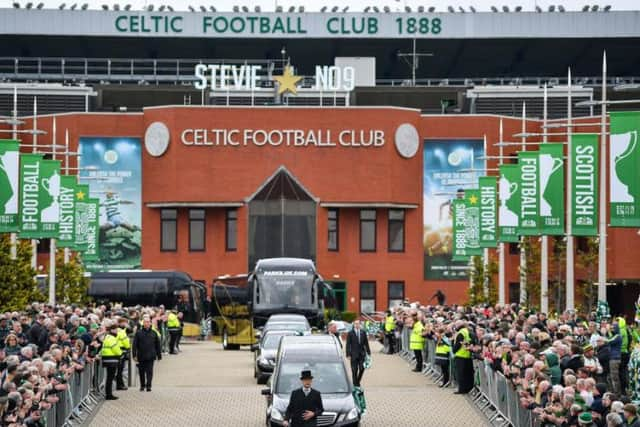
pixel 84 392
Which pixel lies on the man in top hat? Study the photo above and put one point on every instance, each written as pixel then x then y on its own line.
pixel 305 404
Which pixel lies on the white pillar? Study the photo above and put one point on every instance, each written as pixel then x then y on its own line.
pixel 14 237
pixel 34 243
pixel 602 248
pixel 501 260
pixel 523 255
pixel 52 272
pixel 485 279
pixel 544 247
pixel 570 280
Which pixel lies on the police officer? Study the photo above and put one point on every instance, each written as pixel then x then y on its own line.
pixel 110 354
pixel 146 349
pixel 125 346
pixel 173 325
pixel 463 362
pixel 389 328
pixel 416 340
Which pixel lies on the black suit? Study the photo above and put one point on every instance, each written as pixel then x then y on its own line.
pixel 299 403
pixel 146 348
pixel 357 349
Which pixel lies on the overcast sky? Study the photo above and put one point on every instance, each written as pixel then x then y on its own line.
pixel 355 5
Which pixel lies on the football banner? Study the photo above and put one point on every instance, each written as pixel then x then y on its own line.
pixel 529 193
pixel 624 169
pixel 29 206
pixel 584 184
pixel 509 210
pixel 488 212
pixel 551 179
pixel 9 185
pixel 67 233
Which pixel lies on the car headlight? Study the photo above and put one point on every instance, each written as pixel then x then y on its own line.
pixel 276 415
pixel 353 414
pixel 265 362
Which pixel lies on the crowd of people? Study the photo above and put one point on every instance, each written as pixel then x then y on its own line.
pixel 570 370
pixel 42 348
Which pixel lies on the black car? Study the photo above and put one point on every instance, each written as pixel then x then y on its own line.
pixel 265 354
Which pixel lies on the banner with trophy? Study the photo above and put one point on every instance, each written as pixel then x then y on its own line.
pixel 450 167
pixel 551 194
pixel 529 224
pixel 624 169
pixel 488 212
pixel 509 200
pixel 49 195
pixel 584 184
pixel 67 234
pixel 29 200
pixel 9 185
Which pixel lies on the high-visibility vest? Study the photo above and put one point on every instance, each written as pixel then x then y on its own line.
pixel 416 341
pixel 110 347
pixel 123 339
pixel 443 348
pixel 462 352
pixel 172 322
pixel 389 324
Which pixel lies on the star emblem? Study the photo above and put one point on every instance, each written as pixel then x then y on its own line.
pixel 80 195
pixel 473 200
pixel 288 81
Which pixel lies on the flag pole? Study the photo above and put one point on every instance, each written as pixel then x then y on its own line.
pixel 570 251
pixel 544 247
pixel 501 260
pixel 13 237
pixel 485 251
pixel 523 254
pixel 67 252
pixel 52 241
pixel 34 242
pixel 602 247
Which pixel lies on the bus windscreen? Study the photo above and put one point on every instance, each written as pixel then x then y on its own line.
pixel 281 288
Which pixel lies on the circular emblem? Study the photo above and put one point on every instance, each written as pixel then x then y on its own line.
pixel 156 139
pixel 407 140
pixel 110 156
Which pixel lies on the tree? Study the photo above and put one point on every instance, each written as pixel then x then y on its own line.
pixel 71 284
pixel 588 260
pixel 557 261
pixel 481 276
pixel 17 278
pixel 531 271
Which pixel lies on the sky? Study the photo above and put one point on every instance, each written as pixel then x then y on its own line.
pixel 354 5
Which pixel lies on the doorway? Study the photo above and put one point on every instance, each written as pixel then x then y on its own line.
pixel 340 292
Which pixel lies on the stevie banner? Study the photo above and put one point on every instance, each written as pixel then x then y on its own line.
pixel 472 222
pixel 81 217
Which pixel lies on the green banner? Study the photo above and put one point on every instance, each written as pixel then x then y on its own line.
pixel 9 185
pixel 458 207
pixel 67 233
pixel 49 195
pixel 488 212
pixel 29 212
pixel 624 169
pixel 509 195
pixel 584 184
pixel 93 229
pixel 529 194
pixel 472 221
pixel 551 201
pixel 81 217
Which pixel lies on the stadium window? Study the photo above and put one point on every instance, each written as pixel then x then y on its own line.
pixel 514 292
pixel 168 230
pixel 333 238
pixel 231 230
pixel 197 230
pixel 396 230
pixel 367 297
pixel 395 292
pixel 367 230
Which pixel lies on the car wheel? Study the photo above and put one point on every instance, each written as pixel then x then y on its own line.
pixel 225 339
pixel 262 379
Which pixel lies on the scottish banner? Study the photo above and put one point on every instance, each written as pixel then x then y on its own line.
pixel 551 195
pixel 30 207
pixel 67 234
pixel 488 212
pixel 624 169
pixel 584 184
pixel 49 198
pixel 9 185
pixel 509 210
pixel 529 193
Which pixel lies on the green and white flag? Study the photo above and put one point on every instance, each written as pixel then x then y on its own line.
pixel 529 193
pixel 584 184
pixel 67 233
pixel 509 210
pixel 93 230
pixel 81 217
pixel 459 228
pixel 30 207
pixel 488 212
pixel 472 221
pixel 9 185
pixel 551 176
pixel 624 169
pixel 49 195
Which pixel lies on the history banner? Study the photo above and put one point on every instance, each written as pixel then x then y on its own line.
pixel 29 203
pixel 584 184
pixel 9 185
pixel 450 167
pixel 529 224
pixel 66 233
pixel 509 210
pixel 624 169
pixel 551 195
pixel 488 212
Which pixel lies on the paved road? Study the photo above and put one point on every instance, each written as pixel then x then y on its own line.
pixel 206 386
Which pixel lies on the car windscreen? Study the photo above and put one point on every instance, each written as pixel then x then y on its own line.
pixel 271 342
pixel 287 327
pixel 329 377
